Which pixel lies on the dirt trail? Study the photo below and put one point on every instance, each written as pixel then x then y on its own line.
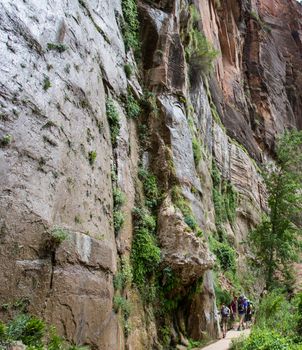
pixel 225 343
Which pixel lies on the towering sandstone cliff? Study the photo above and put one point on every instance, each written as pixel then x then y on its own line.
pixel 201 136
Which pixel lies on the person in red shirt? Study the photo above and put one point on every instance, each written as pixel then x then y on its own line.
pixel 234 309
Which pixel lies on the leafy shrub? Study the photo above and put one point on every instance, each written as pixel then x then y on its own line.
pixel 265 339
pixel 145 254
pixel 118 220
pixel 124 277
pixel 143 218
pixel 113 120
pixel 121 303
pixel 225 254
pixel 277 313
pixel 59 235
pixel 34 333
pixel 222 296
pixel 128 70
pixel 118 197
pixel 130 25
pixel 151 189
pixel 133 109
pixel 29 329
pixel 118 201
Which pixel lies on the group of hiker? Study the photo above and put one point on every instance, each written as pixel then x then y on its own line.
pixel 240 309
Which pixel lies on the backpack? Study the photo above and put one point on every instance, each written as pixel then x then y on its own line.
pixel 225 312
pixel 241 307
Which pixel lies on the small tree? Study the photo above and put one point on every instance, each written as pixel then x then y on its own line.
pixel 275 241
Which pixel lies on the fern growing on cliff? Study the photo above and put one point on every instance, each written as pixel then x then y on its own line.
pixel 130 25
pixel 200 53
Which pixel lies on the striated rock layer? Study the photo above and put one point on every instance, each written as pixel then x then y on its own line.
pixel 61 60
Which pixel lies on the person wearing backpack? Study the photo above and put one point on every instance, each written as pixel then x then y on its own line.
pixel 242 307
pixel 249 313
pixel 225 314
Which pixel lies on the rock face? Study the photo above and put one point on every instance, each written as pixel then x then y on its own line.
pixel 61 60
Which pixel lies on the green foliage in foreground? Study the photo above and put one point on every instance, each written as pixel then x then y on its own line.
pixel 278 325
pixel 275 241
pixel 33 333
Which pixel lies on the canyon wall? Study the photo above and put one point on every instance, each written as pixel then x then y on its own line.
pixel 61 62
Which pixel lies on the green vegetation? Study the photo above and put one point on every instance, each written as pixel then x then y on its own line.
pixel 120 303
pixel 128 70
pixel 130 25
pixel 133 109
pixel 224 198
pixel 275 240
pixel 145 253
pixel 118 215
pixel 278 324
pixel 182 204
pixel 199 52
pixel 92 157
pixel 124 276
pixel 114 120
pixel 196 150
pixel 46 83
pixel 33 333
pixel 121 281
pixel 57 47
pixel 6 140
pixel 151 190
pixel 58 235
pixel 225 254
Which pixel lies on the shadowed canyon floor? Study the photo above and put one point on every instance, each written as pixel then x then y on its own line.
pixel 225 343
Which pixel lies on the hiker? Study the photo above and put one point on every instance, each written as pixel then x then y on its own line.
pixel 233 308
pixel 249 313
pixel 242 306
pixel 225 314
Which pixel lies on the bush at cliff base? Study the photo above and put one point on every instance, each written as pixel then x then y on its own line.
pixel 267 340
